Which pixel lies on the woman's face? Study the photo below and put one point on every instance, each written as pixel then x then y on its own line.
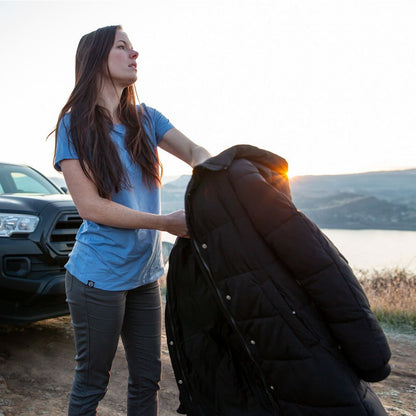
pixel 122 61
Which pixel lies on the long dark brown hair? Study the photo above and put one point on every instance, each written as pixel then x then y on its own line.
pixel 91 124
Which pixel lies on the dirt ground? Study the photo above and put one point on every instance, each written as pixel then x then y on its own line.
pixel 37 363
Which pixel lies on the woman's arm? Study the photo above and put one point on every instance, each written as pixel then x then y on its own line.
pixel 180 146
pixel 91 206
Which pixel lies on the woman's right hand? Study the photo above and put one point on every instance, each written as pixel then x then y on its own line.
pixel 176 224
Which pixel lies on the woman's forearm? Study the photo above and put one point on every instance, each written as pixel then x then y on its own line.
pixel 111 213
pixel 93 207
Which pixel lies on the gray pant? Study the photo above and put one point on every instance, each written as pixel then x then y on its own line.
pixel 99 317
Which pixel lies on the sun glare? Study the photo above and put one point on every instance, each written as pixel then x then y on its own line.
pixel 291 174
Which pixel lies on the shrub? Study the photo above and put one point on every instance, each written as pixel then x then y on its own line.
pixel 392 295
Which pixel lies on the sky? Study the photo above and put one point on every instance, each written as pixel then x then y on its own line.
pixel 329 85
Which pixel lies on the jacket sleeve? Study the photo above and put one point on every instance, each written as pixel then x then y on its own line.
pixel 318 267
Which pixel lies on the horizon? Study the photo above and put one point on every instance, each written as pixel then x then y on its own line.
pixel 338 174
pixel 170 178
pixel 326 174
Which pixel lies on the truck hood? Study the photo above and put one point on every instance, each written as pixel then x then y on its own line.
pixel 33 204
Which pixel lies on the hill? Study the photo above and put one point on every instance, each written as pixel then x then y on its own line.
pixel 371 200
pixel 393 186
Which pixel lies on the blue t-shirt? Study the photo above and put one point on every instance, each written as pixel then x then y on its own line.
pixel 112 258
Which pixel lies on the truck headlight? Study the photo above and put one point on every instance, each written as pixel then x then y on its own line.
pixel 17 224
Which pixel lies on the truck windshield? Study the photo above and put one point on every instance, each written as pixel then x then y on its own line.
pixel 18 179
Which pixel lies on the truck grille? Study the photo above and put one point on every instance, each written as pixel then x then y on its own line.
pixel 62 237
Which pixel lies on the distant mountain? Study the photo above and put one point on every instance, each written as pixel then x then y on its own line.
pixel 354 211
pixel 166 179
pixel 373 200
pixel 173 194
pixel 397 186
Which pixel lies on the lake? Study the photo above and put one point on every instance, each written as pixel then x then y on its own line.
pixel 369 249
pixel 376 249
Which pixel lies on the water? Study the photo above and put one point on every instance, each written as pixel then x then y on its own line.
pixel 376 249
pixel 369 249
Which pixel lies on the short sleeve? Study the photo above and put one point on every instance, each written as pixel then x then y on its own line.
pixel 159 123
pixel 64 147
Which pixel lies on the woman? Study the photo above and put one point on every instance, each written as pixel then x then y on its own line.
pixel 106 149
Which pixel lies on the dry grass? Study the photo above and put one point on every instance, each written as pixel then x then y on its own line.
pixel 392 295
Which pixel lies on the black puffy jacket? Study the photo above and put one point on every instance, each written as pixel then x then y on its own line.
pixel 264 316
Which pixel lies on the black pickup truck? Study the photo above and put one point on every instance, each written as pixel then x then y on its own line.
pixel 38 224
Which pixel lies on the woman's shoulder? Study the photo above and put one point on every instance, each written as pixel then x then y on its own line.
pixel 146 110
pixel 155 121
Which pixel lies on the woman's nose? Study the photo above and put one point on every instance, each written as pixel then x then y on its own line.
pixel 134 54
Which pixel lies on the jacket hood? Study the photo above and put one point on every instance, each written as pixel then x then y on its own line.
pixel 245 151
pixel 273 168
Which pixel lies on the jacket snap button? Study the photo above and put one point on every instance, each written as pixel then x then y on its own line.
pixel 228 297
pixel 294 312
pixel 171 342
pixel 271 387
pixel 204 246
pixel 252 342
pixel 180 382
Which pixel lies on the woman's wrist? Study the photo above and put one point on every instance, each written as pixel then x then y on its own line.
pixel 162 222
